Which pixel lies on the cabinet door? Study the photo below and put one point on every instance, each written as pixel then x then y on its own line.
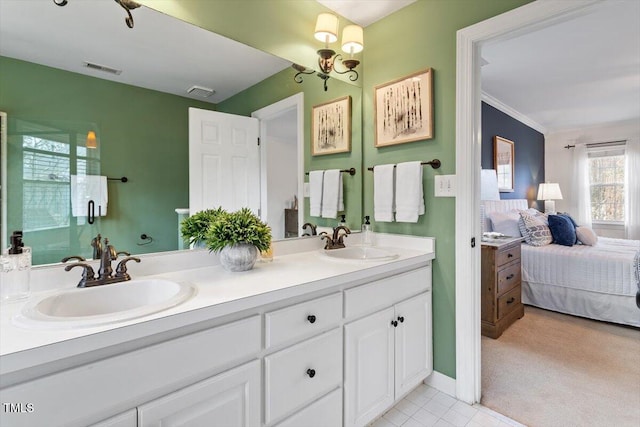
pixel 229 399
pixel 126 419
pixel 413 343
pixel 369 353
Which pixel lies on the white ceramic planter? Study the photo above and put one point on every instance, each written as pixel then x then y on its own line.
pixel 238 257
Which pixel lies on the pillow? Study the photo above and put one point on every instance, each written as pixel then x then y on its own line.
pixel 534 213
pixel 575 224
pixel 586 236
pixel 505 223
pixel 562 230
pixel 536 233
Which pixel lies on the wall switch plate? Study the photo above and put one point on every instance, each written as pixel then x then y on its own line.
pixel 305 189
pixel 445 186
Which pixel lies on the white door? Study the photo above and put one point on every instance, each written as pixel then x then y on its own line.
pixel 229 399
pixel 413 342
pixel 224 161
pixel 126 419
pixel 369 353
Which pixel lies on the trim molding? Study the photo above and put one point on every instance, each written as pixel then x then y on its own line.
pixel 530 17
pixel 496 103
pixel 442 382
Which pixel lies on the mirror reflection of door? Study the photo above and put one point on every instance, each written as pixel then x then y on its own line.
pixel 503 163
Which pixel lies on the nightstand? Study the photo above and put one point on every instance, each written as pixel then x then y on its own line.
pixel 501 290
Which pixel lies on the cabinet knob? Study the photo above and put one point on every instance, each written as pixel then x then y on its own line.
pixel 400 319
pixel 509 255
pixel 311 318
pixel 394 323
pixel 311 373
pixel 509 277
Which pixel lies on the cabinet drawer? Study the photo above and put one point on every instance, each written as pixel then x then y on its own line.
pixel 509 302
pixel 384 293
pixel 322 413
pixel 299 374
pixel 507 254
pixel 302 320
pixel 508 277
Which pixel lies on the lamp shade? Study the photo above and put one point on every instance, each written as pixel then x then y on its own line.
pixel 549 191
pixel 489 185
pixel 326 28
pixel 352 39
pixel 92 142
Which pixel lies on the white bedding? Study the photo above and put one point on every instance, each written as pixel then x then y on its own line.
pixel 608 267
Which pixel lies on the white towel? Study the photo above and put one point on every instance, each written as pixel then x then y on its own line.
pixel 409 193
pixel 85 188
pixel 315 192
pixel 383 193
pixel 332 198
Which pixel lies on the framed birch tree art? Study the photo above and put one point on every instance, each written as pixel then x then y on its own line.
pixel 331 127
pixel 404 109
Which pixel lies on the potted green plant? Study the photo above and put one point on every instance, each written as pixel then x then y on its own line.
pixel 238 236
pixel 194 229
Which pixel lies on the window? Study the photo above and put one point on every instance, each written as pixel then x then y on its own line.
pixel 606 183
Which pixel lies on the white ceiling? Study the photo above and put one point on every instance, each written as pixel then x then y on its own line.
pixel 152 55
pixel 578 73
pixel 365 12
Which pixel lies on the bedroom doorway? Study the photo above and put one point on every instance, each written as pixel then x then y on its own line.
pixel 525 19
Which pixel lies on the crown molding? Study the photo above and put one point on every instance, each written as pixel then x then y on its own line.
pixel 513 113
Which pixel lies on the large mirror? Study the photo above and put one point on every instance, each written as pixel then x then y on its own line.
pixel 53 101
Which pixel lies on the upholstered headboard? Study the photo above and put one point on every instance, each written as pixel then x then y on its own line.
pixel 487 206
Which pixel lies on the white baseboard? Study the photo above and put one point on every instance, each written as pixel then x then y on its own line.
pixel 442 382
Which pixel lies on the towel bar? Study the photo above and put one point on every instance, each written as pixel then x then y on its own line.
pixel 435 163
pixel 351 171
pixel 123 179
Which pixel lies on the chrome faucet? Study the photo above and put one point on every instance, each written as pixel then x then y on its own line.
pixel 337 240
pixel 105 273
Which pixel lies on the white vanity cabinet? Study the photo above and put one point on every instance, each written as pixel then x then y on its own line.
pixel 228 399
pixel 389 352
pixel 126 419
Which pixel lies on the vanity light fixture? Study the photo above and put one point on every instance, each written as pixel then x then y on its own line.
pixel 327 31
pixel 127 5
pixel 92 141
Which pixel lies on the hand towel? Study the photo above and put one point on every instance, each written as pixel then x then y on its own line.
pixel 85 188
pixel 315 192
pixel 383 192
pixel 409 192
pixel 332 198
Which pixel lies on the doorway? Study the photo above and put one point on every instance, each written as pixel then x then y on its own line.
pixel 282 165
pixel 468 149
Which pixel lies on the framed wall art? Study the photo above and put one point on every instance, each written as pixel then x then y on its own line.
pixel 503 163
pixel 331 127
pixel 404 109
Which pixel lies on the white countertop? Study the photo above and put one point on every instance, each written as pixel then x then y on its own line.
pixel 220 293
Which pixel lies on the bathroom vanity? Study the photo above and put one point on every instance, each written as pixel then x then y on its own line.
pixel 305 340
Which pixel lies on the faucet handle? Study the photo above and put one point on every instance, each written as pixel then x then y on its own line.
pixel 67 258
pixel 125 253
pixel 87 272
pixel 121 269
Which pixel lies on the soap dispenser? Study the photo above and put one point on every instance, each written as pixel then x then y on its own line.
pixel 343 221
pixel 15 270
pixel 367 232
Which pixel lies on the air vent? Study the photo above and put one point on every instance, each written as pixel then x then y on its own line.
pixel 199 91
pixel 102 68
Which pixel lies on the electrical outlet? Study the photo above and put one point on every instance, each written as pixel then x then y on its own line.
pixel 445 186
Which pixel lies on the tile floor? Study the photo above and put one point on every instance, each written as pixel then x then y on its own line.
pixel 428 407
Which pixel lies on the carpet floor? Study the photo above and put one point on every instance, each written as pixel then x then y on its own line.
pixel 549 369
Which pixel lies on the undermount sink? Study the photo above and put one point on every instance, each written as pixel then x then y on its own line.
pixel 77 308
pixel 362 253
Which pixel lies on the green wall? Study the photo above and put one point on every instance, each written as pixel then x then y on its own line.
pixel 143 135
pixel 420 36
pixel 280 86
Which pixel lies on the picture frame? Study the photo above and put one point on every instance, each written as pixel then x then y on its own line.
pixel 503 163
pixel 331 127
pixel 404 109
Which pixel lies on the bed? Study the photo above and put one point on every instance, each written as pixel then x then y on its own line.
pixel 599 282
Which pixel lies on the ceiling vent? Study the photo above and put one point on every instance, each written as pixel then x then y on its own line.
pixel 201 92
pixel 102 68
